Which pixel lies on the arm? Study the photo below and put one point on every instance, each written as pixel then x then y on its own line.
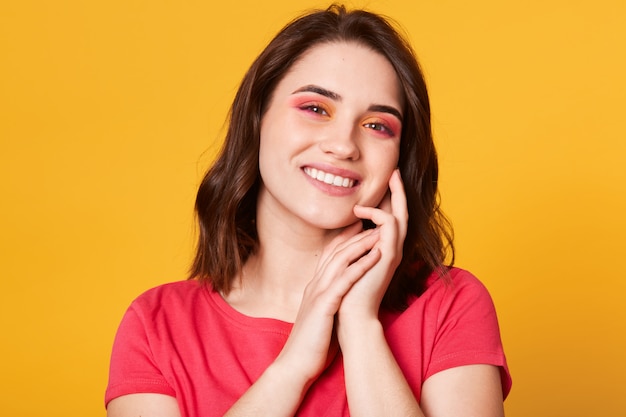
pixel 131 355
pixel 469 391
pixel 136 405
pixel 375 384
pixel 277 392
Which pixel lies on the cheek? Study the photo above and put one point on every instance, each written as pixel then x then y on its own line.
pixel 379 198
pixel 384 167
pixel 271 139
pixel 385 159
pixel 268 153
pixel 379 190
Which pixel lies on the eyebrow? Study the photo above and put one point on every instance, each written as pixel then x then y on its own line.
pixel 386 109
pixel 319 90
pixel 336 97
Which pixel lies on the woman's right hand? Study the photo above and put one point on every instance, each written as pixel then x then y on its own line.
pixel 310 347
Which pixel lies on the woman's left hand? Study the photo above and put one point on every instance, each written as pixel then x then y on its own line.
pixel 391 218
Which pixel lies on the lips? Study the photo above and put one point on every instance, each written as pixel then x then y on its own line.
pixel 329 178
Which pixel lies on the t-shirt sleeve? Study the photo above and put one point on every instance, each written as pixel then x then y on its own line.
pixel 467 329
pixel 133 368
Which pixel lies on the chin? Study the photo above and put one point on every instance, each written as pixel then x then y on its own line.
pixel 336 223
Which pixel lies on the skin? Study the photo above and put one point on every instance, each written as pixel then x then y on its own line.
pixel 337 109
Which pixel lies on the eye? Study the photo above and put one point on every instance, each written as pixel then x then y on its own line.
pixel 380 127
pixel 314 108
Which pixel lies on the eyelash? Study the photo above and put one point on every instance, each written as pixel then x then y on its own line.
pixel 320 110
pixel 380 127
pixel 315 108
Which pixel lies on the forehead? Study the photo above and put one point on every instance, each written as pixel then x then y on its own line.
pixel 350 69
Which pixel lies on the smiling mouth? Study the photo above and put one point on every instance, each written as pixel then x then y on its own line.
pixel 330 179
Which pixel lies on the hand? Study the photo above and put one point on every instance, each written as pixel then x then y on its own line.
pixel 391 218
pixel 345 260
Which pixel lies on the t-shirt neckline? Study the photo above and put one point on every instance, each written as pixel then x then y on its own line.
pixel 238 317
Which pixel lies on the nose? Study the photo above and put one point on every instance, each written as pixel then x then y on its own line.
pixel 341 142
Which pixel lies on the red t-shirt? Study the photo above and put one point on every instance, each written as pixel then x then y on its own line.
pixel 182 339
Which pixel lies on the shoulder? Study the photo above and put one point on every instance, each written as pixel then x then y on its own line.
pixel 170 298
pixel 454 278
pixel 169 312
pixel 457 284
pixel 457 300
pixel 447 298
pixel 172 290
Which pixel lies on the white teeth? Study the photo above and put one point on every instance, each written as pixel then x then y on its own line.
pixel 329 178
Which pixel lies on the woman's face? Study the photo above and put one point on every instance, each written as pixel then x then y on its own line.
pixel 330 136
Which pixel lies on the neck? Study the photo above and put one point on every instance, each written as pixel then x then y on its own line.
pixel 274 278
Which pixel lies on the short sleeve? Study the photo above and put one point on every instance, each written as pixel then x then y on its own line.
pixel 467 329
pixel 133 368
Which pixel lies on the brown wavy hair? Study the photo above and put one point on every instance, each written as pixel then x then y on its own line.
pixel 227 197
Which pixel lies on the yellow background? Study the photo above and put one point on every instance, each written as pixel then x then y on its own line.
pixel 111 110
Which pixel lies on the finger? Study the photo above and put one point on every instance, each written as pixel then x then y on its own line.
pixel 345 256
pixel 392 215
pixel 352 274
pixel 346 234
pixel 336 281
pixel 394 203
pixel 390 238
pixel 385 204
pixel 376 215
pixel 347 237
pixel 399 207
pixel 396 190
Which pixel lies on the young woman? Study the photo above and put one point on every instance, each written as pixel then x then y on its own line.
pixel 320 285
